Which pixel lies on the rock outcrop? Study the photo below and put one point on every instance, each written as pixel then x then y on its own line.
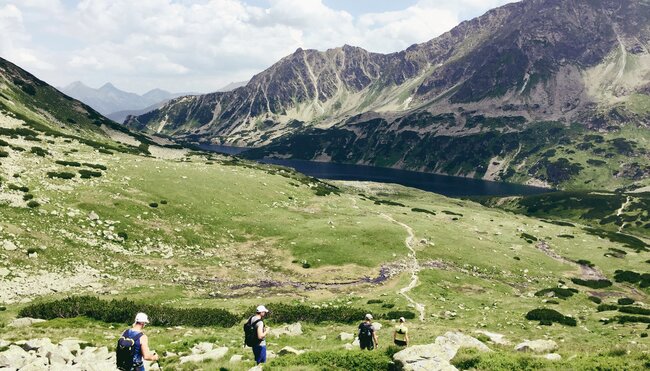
pixel 436 356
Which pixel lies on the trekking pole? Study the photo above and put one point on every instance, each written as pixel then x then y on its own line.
pixel 159 365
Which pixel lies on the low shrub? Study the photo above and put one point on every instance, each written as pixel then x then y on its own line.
pixel 557 292
pixel 38 151
pixel 3 308
pixel 32 250
pixel 14 187
pixel 594 284
pixel 634 310
pixel 596 299
pixel 95 166
pixel 528 237
pixel 336 360
pixel 550 315
pixel 122 311
pixel 4 154
pixel 32 204
pixel 625 301
pixel 123 235
pixel 287 313
pixel 632 319
pixel 68 163
pixel 104 151
pixel 425 211
pixel 87 174
pixel 606 307
pixel 388 305
pixel 163 202
pixel 644 335
pixel 584 262
pixel 396 314
pixel 28 196
pixel 60 175
pixel 375 301
pixel 153 204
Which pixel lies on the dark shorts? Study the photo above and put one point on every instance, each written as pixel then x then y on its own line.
pixel 400 343
pixel 259 351
pixel 367 345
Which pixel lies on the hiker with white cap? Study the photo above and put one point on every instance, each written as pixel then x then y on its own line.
pixel 255 334
pixel 367 334
pixel 401 336
pixel 133 346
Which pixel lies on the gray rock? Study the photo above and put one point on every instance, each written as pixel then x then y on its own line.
pixel 289 350
pixel 256 368
pixel 15 356
pixel 236 358
pixel 349 346
pixel 537 346
pixel 494 337
pixel 214 355
pixel 93 216
pixel 71 345
pixel 9 246
pixel 202 348
pixel 553 357
pixel 436 356
pixel 4 272
pixel 345 336
pixel 35 344
pixel 377 326
pixel 294 329
pixel 24 322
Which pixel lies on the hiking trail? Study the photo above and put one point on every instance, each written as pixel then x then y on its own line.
pixel 620 211
pixel 413 266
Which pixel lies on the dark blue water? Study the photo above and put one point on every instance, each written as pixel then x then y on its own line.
pixel 442 184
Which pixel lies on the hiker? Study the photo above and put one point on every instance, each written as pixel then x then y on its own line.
pixel 255 334
pixel 401 336
pixel 133 346
pixel 367 335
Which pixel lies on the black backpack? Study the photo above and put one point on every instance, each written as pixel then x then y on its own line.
pixel 125 351
pixel 365 331
pixel 250 333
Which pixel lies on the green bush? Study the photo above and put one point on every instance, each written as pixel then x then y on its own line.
pixel 634 310
pixel 287 313
pixel 61 175
pixel 3 308
pixel 594 284
pixel 87 174
pixel 557 292
pixel 632 319
pixel 153 204
pixel 38 151
pixel 388 305
pixel 606 307
pixel 163 202
pixel 32 204
pixel 550 315
pixel 4 154
pixel 68 163
pixel 123 235
pixel 336 360
pixel 425 211
pixel 104 151
pixel 625 301
pixel 27 197
pixel 122 311
pixel 375 301
pixel 595 299
pixel 14 187
pixel 95 166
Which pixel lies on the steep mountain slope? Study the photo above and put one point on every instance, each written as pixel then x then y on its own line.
pixel 111 101
pixel 82 214
pixel 499 74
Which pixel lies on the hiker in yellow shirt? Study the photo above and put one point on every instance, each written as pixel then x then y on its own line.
pixel 400 336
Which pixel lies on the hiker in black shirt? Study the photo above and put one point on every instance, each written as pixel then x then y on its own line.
pixel 367 335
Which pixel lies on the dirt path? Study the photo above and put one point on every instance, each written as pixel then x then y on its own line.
pixel 621 210
pixel 586 272
pixel 413 266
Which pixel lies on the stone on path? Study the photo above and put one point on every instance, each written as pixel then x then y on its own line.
pixel 537 346
pixel 289 350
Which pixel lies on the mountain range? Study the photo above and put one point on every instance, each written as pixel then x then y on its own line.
pixel 510 84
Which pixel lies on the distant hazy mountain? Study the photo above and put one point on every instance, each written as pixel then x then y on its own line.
pixel 111 101
pixel 233 86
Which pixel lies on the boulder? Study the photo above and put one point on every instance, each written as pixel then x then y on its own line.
pixel 256 368
pixel 289 350
pixel 494 337
pixel 345 336
pixel 4 272
pixel 436 356
pixel 376 325
pixel 294 329
pixel 202 348
pixel 24 322
pixel 537 346
pixel 212 355
pixel 270 354
pixel 15 356
pixel 348 346
pixel 9 246
pixel 35 344
pixel 236 358
pixel 71 345
pixel 553 357
pixel 93 216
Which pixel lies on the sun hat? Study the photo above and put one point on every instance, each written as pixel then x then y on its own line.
pixel 368 316
pixel 261 309
pixel 141 318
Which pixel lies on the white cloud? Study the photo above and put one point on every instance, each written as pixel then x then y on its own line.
pixel 199 45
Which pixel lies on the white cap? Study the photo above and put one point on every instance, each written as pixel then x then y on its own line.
pixel 368 316
pixel 261 309
pixel 141 318
pixel 401 319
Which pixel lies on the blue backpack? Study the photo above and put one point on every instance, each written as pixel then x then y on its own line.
pixel 126 351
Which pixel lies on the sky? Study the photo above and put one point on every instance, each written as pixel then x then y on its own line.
pixel 202 45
